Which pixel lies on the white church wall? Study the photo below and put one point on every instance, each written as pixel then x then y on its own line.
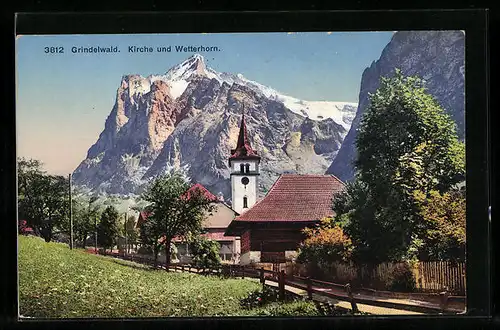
pixel 239 190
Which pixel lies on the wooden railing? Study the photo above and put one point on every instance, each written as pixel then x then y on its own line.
pixel 430 303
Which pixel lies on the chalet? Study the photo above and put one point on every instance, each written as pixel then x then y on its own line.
pixel 214 226
pixel 271 229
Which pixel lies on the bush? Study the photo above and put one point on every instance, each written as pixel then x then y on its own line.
pixel 205 253
pixel 325 244
pixel 24 229
pixel 259 298
pixel 294 309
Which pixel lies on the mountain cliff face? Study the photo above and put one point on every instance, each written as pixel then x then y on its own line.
pixel 191 115
pixel 435 56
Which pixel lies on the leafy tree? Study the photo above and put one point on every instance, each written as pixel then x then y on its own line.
pixel 444 222
pixel 107 231
pixel 406 143
pixel 131 231
pixel 85 214
pixel 403 120
pixel 43 199
pixel 205 252
pixel 173 212
pixel 325 244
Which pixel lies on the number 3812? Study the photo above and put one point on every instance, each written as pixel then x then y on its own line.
pixel 53 50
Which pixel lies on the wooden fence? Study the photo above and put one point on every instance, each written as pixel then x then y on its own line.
pixel 429 276
pixel 434 303
pixel 439 275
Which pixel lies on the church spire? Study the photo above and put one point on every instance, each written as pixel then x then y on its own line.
pixel 243 146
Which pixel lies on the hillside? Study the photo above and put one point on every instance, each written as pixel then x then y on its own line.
pixel 55 282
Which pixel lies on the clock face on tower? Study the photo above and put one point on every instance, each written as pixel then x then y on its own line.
pixel 245 180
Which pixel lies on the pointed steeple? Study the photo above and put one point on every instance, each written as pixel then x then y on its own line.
pixel 243 146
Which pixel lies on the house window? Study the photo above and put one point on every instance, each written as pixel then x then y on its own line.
pixel 242 168
pixel 245 202
pixel 247 168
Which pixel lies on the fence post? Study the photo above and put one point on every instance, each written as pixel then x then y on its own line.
pixel 261 274
pixel 242 272
pixel 354 306
pixel 444 300
pixel 309 288
pixel 281 285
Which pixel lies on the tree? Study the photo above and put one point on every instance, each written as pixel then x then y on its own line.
pixel 131 231
pixel 205 252
pixel 174 212
pixel 85 214
pixel 444 221
pixel 107 231
pixel 42 199
pixel 405 143
pixel 403 119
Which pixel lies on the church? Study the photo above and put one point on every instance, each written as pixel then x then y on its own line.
pixel 267 230
pixel 270 230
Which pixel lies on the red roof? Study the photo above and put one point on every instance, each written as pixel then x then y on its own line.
pixel 204 191
pixel 295 197
pixel 243 147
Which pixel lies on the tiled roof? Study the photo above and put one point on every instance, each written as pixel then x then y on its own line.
pixel 204 191
pixel 243 147
pixel 295 197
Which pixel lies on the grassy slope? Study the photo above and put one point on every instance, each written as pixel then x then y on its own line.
pixel 57 282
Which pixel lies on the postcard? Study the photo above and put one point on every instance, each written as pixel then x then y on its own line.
pixel 241 174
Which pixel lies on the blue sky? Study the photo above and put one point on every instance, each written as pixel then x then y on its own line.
pixel 64 99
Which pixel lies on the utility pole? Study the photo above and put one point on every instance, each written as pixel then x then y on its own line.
pixel 95 233
pixel 70 216
pixel 126 243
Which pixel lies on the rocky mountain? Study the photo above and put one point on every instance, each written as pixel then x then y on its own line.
pixel 190 116
pixel 435 56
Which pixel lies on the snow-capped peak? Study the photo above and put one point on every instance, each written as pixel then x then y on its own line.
pixel 178 78
pixel 193 64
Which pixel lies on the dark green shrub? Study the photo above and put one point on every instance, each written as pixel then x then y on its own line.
pixel 294 309
pixel 260 298
pixel 205 253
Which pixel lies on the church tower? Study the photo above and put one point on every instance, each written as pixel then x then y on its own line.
pixel 244 167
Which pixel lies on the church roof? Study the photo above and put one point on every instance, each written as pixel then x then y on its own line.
pixel 243 146
pixel 295 198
